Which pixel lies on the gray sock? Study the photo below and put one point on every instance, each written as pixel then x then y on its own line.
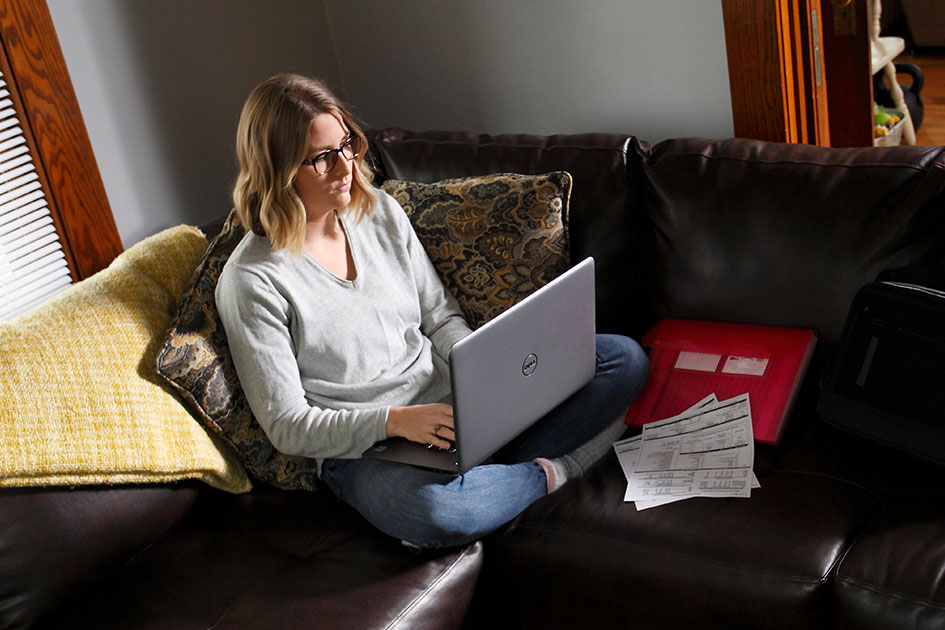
pixel 580 460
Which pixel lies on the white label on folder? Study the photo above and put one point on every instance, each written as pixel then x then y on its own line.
pixel 751 366
pixel 697 361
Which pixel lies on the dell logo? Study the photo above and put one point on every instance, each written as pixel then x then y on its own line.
pixel 531 362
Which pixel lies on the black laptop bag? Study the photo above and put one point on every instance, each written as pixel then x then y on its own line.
pixel 887 382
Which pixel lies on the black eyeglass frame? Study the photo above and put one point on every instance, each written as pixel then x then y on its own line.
pixel 330 157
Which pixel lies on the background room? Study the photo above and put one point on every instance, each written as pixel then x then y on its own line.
pixel 160 84
pixel 921 25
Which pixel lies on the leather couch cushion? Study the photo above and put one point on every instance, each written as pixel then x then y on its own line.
pixel 55 542
pixel 892 577
pixel 582 557
pixel 493 239
pixel 784 234
pixel 604 210
pixel 279 559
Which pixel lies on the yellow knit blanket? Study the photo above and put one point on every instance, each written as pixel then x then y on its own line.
pixel 79 400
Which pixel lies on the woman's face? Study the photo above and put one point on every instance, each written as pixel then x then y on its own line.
pixel 331 191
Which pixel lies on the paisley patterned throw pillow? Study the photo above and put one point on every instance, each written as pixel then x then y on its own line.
pixel 195 360
pixel 493 239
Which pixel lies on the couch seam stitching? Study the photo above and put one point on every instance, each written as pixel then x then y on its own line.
pixel 652 160
pixel 423 595
pixel 784 576
pixel 835 569
pixel 838 577
pixel 841 480
pixel 891 593
pixel 543 147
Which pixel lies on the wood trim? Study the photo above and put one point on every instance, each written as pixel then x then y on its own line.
pixel 755 70
pixel 77 195
pixel 848 75
pixel 812 41
pixel 794 111
pixel 34 152
pixel 772 70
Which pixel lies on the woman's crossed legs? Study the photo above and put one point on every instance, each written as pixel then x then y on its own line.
pixel 436 509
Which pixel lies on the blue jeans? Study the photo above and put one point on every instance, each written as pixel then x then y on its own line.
pixel 436 509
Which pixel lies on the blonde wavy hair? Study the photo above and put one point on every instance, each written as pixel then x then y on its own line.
pixel 271 141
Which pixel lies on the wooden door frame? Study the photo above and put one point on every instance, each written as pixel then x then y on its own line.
pixel 792 77
pixel 848 73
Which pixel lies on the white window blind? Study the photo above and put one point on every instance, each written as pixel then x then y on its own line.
pixel 33 266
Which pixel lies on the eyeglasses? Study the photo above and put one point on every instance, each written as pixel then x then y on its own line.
pixel 325 161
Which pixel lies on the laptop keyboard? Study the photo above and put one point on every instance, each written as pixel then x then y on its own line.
pixel 451 449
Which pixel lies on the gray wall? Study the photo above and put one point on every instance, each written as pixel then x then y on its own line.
pixel 161 82
pixel 653 68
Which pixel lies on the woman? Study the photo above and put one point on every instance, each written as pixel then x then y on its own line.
pixel 340 331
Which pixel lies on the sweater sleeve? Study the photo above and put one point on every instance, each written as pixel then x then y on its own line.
pixel 256 319
pixel 442 320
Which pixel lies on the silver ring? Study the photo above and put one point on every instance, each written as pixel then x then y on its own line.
pixel 436 427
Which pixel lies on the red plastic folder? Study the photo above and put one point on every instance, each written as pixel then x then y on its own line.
pixel 691 359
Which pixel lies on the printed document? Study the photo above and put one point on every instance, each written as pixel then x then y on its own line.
pixel 706 451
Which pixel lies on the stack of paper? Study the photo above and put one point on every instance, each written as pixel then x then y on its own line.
pixel 706 451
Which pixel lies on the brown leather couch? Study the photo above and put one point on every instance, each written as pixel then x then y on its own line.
pixel 841 534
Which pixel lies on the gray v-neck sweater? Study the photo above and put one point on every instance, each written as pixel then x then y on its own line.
pixel 322 359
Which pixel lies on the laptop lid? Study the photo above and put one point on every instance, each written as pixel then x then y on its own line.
pixel 512 371
pixel 519 366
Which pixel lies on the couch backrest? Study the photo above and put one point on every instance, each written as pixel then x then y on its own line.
pixel 605 205
pixel 741 230
pixel 733 230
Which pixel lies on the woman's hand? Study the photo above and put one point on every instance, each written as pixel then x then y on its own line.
pixel 426 424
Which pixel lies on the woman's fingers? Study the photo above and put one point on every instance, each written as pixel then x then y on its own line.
pixel 443 433
pixel 427 424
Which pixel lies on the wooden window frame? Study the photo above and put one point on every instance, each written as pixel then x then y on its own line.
pixel 32 61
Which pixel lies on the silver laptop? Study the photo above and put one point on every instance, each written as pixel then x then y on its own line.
pixel 511 372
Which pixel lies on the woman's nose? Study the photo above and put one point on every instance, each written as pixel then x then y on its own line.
pixel 344 163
